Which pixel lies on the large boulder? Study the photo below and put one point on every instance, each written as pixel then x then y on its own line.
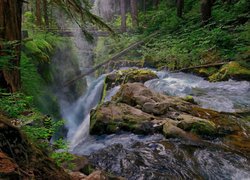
pixel 113 117
pixel 136 94
pixel 137 109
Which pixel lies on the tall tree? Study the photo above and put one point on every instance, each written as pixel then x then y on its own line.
pixel 123 15
pixel 38 13
pixel 45 13
pixel 10 33
pixel 180 6
pixel 134 12
pixel 156 3
pixel 206 10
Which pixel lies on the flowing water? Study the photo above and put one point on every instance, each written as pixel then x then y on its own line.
pixel 154 157
pixel 227 96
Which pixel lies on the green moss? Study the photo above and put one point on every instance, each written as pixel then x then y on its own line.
pixel 104 91
pixel 203 128
pixel 206 72
pixel 129 75
pixel 189 99
pixel 88 169
pixel 231 70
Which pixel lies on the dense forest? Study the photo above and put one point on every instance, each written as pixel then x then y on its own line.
pixel 124 89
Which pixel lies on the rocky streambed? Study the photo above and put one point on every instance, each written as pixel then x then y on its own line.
pixel 138 133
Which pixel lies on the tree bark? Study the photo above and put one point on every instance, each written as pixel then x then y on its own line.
pixel 206 10
pixel 10 33
pixel 38 13
pixel 134 13
pixel 45 13
pixel 180 6
pixel 156 3
pixel 123 15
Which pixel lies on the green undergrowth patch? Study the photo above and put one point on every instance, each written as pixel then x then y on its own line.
pixel 184 42
pixel 38 128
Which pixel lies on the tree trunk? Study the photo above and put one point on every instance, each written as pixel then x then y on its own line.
pixel 156 3
pixel 38 13
pixel 144 6
pixel 123 15
pixel 10 33
pixel 45 13
pixel 134 13
pixel 206 10
pixel 180 6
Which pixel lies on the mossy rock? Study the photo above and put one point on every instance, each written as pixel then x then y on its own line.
pixel 197 125
pixel 233 70
pixel 129 75
pixel 171 131
pixel 154 62
pixel 205 72
pixel 112 117
pixel 189 99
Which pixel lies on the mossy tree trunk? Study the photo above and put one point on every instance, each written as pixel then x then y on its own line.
pixel 134 13
pixel 123 15
pixel 180 6
pixel 156 3
pixel 45 13
pixel 206 11
pixel 10 33
pixel 38 13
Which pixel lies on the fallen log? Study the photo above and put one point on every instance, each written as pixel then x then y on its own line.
pixel 118 55
pixel 200 66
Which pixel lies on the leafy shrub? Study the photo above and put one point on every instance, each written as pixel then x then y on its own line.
pixel 14 104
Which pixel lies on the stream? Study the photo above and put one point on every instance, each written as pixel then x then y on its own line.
pixel 155 157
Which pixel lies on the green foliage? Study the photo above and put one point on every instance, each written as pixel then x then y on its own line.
pixel 107 47
pixel 61 155
pixel 31 79
pixel 41 47
pixel 42 129
pixel 117 21
pixel 184 42
pixel 36 73
pixel 40 132
pixel 14 104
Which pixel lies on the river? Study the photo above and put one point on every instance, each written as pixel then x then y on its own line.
pixel 155 157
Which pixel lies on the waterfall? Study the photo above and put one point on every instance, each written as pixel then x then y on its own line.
pixel 77 115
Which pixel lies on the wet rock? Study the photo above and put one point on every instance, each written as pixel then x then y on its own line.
pixel 205 72
pixel 77 176
pixel 137 109
pixel 129 75
pixel 79 162
pixel 196 125
pixel 151 160
pixel 151 102
pixel 189 99
pixel 101 175
pixel 114 117
pixel 170 130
